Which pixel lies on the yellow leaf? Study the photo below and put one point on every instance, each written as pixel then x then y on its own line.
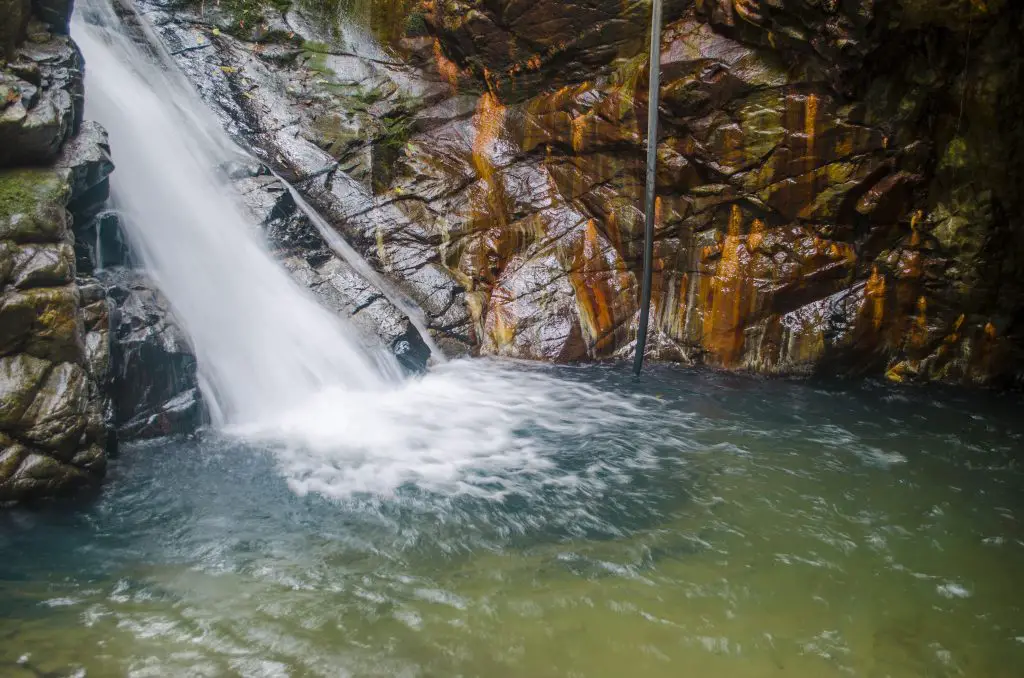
pixel 216 31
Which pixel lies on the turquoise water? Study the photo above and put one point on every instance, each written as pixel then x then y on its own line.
pixel 727 527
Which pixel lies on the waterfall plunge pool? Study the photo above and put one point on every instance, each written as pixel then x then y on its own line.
pixel 509 520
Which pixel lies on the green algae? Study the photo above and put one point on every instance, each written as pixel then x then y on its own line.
pixel 22 189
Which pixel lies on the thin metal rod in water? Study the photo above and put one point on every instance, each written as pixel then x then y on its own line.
pixel 654 69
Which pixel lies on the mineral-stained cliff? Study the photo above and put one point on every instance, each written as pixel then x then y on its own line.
pixel 838 181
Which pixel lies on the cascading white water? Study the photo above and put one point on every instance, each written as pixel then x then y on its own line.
pixel 262 342
pixel 283 373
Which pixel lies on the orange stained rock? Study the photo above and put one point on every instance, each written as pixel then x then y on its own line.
pixel 678 321
pixel 446 68
pixel 919 331
pixel 732 146
pixel 756 234
pixel 601 299
pixel 915 238
pixel 875 291
pixel 579 127
pixel 490 116
pixel 503 330
pixel 810 121
pixel 489 121
pixel 844 146
pixel 731 296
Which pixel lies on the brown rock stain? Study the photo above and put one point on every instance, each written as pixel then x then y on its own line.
pixel 875 292
pixel 446 68
pixel 730 291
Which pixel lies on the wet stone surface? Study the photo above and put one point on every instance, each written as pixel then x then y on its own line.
pixel 827 202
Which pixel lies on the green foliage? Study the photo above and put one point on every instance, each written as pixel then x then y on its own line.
pixel 415 25
pixel 397 129
pixel 333 136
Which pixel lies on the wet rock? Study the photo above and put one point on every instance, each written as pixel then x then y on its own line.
pixel 838 182
pixel 58 412
pixel 42 322
pixel 56 14
pixel 153 381
pixel 523 48
pixel 38 475
pixel 54 432
pixel 20 378
pixel 16 15
pixel 42 265
pixel 32 205
pixel 87 156
pixel 99 240
pixel 335 282
pixel 41 102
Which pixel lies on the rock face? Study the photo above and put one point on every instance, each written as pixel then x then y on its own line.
pixel 153 387
pixel 41 97
pixel 69 384
pixel 838 182
pixel 54 349
pixel 53 342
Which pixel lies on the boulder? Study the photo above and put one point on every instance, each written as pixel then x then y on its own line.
pixel 41 100
pixel 153 382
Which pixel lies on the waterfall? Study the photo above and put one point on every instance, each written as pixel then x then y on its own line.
pixel 277 370
pixel 262 341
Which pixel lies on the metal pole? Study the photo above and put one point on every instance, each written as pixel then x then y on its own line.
pixel 654 69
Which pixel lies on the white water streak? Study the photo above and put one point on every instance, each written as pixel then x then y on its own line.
pixel 262 342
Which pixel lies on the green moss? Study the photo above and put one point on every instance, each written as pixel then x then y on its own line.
pixel 333 136
pixel 415 25
pixel 314 57
pixel 22 189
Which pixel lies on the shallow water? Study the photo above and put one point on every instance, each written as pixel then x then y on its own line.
pixel 511 520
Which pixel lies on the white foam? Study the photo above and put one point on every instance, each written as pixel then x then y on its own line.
pixel 475 427
pixel 953 590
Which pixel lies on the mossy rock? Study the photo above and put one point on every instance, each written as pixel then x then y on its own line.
pixel 32 205
pixel 43 322
pixel 415 25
